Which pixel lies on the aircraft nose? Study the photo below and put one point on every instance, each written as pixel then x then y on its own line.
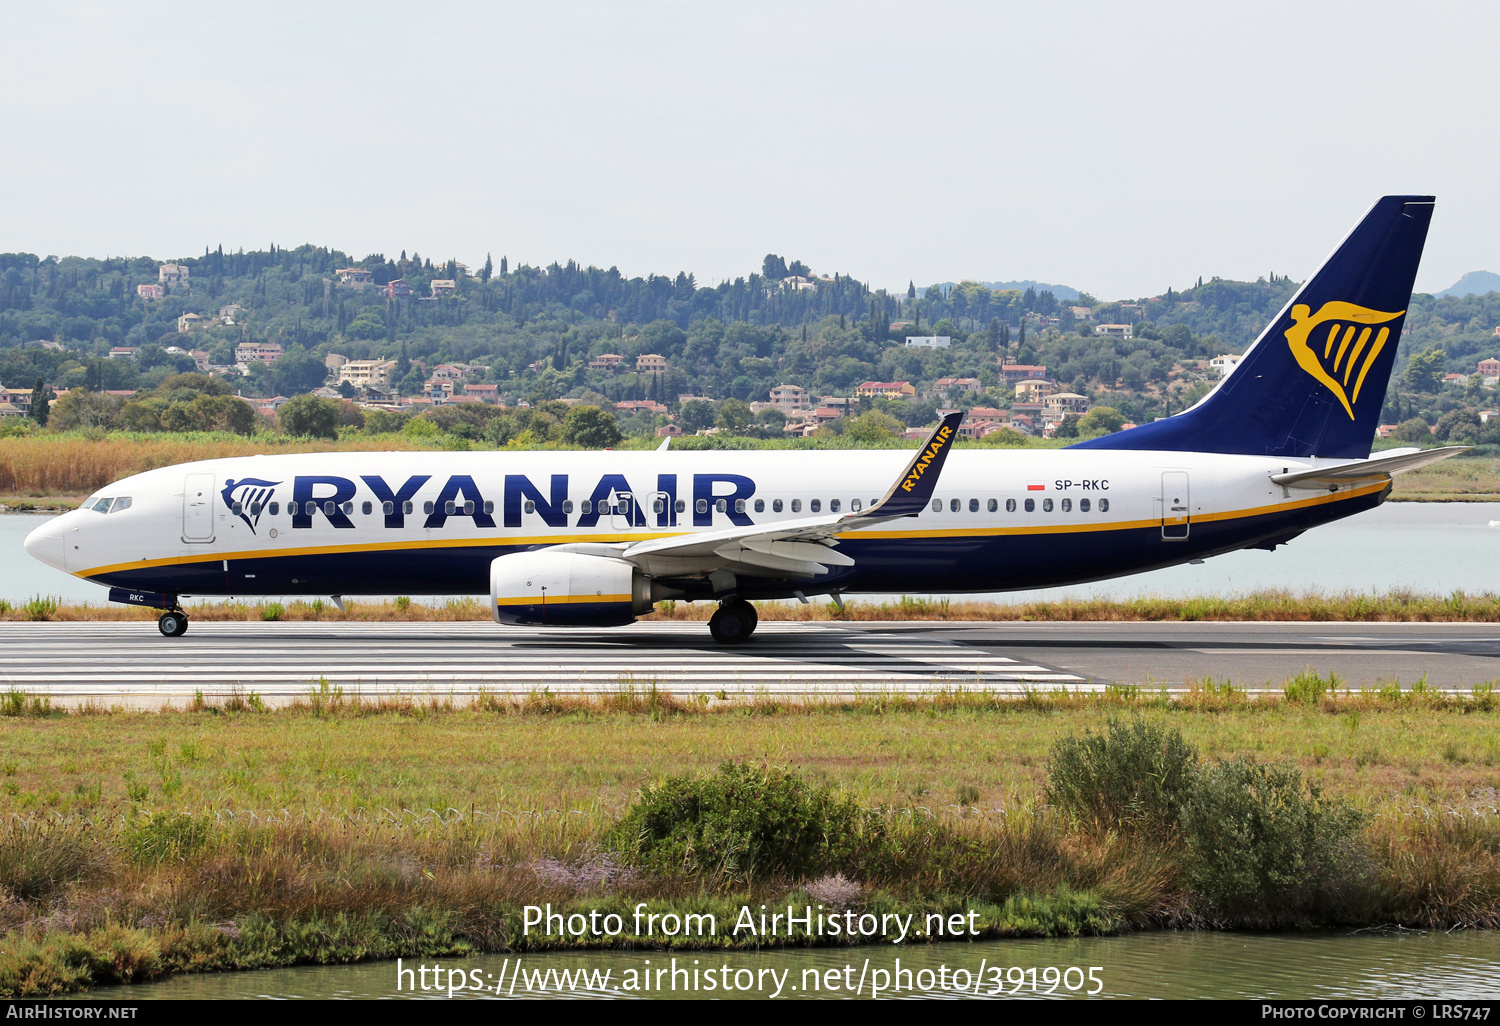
pixel 46 543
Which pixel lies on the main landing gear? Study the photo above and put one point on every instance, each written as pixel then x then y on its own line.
pixel 173 623
pixel 733 622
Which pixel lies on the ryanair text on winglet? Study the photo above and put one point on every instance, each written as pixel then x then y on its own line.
pixel 920 467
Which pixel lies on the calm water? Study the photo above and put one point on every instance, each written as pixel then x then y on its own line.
pixel 1422 546
pixel 1162 965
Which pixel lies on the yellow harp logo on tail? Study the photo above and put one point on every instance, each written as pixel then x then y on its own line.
pixel 1345 345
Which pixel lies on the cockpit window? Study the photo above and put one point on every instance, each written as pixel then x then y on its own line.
pixel 101 505
pixel 123 502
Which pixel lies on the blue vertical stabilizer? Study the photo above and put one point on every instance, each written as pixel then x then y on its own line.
pixel 1314 382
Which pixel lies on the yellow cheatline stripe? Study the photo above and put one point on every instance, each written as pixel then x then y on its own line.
pixel 563 600
pixel 1125 525
pixel 980 532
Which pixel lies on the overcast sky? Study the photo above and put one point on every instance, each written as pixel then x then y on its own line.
pixel 1118 148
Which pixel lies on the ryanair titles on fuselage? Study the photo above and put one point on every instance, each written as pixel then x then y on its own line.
pixel 460 496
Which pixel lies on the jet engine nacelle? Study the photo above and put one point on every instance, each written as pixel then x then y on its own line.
pixel 551 588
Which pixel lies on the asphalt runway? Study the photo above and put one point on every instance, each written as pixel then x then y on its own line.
pixel 131 664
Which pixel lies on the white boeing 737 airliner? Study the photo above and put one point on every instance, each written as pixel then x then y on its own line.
pixel 595 538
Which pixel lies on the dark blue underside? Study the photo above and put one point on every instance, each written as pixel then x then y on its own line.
pixel 939 565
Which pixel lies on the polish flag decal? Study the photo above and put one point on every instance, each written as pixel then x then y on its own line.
pixel 1035 486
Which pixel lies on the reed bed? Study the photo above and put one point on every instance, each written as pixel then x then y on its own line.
pixel 1468 479
pixel 51 465
pixel 79 463
pixel 1273 605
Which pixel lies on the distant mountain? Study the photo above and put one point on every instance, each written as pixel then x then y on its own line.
pixel 1060 291
pixel 1475 283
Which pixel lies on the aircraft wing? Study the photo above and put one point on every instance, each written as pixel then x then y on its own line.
pixel 802 547
pixel 1397 461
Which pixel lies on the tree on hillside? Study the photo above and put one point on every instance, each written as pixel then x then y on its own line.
pixel 1101 418
pixel 591 428
pixel 39 407
pixel 734 415
pixel 1425 371
pixel 1413 431
pixel 309 416
pixel 872 427
pixel 695 415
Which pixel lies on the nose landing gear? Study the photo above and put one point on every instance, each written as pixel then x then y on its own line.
pixel 173 623
pixel 733 622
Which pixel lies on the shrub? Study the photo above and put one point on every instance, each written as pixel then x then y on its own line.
pixel 273 611
pixel 1256 835
pixel 743 823
pixel 1135 774
pixel 41 607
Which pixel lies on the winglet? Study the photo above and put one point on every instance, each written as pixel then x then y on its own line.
pixel 909 495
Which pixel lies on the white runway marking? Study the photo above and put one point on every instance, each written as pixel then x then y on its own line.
pixel 132 663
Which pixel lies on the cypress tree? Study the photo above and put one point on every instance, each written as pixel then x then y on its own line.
pixel 39 409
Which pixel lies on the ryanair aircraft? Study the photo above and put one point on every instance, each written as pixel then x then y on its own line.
pixel 596 538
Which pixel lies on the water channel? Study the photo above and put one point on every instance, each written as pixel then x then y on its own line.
pixel 1148 965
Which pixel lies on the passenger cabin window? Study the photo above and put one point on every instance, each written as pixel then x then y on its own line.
pixel 1083 505
pixel 1103 505
pixel 973 505
pixel 427 507
pixel 586 506
pixel 489 506
pixel 739 505
pixel 701 506
pixel 276 508
pixel 1010 505
pixel 855 505
pixel 681 506
pixel 236 508
pixel 348 508
pixel 815 505
pixel 385 507
pixel 659 506
pixel 937 505
pixel 328 508
pixel 1067 505
pixel 796 505
pixel 529 506
pixel 953 505
pixel 1046 505
pixel 721 505
pixel 367 507
pixel 1031 505
pixel 760 505
pixel 993 505
pixel 775 505
pixel 833 505
pixel 406 507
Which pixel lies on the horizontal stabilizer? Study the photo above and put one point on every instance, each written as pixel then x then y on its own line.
pixel 1396 462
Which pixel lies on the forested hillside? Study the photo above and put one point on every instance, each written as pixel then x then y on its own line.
pixel 532 330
